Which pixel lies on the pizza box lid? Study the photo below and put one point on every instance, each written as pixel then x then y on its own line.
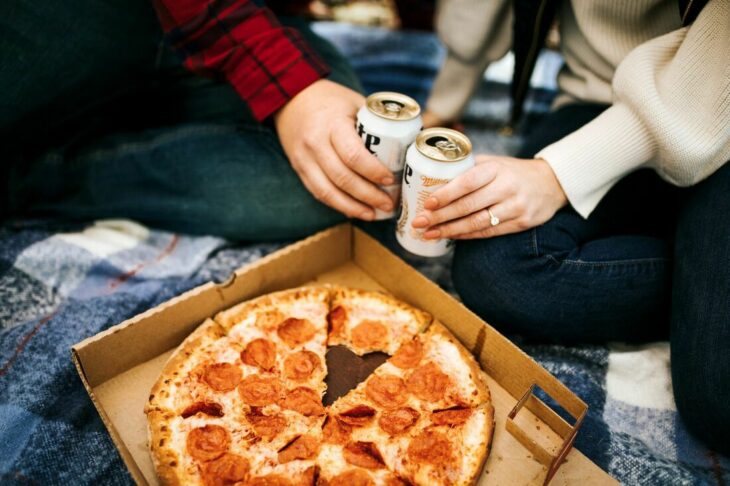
pixel 531 443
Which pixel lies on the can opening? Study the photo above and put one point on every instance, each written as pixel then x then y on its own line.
pixel 444 145
pixel 392 106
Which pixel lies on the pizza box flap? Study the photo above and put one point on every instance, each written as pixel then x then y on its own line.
pixel 119 366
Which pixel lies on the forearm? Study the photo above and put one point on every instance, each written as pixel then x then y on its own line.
pixel 671 113
pixel 265 62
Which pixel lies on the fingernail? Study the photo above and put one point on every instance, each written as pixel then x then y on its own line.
pixel 420 222
pixel 431 203
pixel 386 206
pixel 431 234
pixel 386 181
pixel 367 215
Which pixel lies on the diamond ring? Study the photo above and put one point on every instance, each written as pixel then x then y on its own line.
pixel 493 219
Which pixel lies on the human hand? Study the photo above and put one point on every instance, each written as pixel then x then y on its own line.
pixel 521 193
pixel 317 131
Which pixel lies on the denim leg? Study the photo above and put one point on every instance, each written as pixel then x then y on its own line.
pixel 700 332
pixel 577 280
pixel 232 181
pixel 188 157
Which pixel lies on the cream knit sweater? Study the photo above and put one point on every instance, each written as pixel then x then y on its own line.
pixel 669 86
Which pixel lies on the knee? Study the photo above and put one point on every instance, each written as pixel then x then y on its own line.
pixel 492 277
pixel 701 383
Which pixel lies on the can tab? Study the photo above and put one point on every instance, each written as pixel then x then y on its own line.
pixel 448 148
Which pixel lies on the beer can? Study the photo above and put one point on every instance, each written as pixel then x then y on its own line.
pixel 437 156
pixel 388 124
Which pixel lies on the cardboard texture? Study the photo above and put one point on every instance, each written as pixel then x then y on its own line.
pixel 119 366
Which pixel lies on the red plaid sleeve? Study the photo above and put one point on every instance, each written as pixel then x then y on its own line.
pixel 265 62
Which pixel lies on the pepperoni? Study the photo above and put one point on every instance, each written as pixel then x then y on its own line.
pixel 227 469
pixel 336 319
pixel 261 353
pixel 303 447
pixel 353 477
pixel 303 400
pixel 269 480
pixel 451 416
pixel 208 408
pixel 336 432
pixel 408 355
pixel 430 447
pixel 299 366
pixel 428 382
pixel 358 415
pixel 363 454
pixel 222 377
pixel 395 481
pixel 258 391
pixel 208 442
pixel 370 335
pixel 310 477
pixel 396 421
pixel 388 391
pixel 266 426
pixel 295 331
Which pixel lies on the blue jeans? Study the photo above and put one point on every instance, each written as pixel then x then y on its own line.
pixel 652 261
pixel 104 122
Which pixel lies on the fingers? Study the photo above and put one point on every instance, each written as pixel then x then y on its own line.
pixel 326 192
pixel 349 181
pixel 479 221
pixel 468 182
pixel 506 228
pixel 350 149
pixel 484 197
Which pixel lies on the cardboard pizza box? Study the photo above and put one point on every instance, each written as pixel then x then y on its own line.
pixel 531 445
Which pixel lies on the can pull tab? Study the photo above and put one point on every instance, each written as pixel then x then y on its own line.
pixel 448 148
pixel 393 108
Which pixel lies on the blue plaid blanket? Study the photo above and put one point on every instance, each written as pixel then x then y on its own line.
pixel 59 287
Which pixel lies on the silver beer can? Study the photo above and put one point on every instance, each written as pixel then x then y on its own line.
pixel 437 156
pixel 388 124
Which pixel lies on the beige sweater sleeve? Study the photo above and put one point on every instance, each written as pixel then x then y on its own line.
pixel 475 32
pixel 671 112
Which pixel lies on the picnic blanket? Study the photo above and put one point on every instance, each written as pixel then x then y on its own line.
pixel 59 285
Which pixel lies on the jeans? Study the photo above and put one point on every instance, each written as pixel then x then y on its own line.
pixel 652 260
pixel 104 122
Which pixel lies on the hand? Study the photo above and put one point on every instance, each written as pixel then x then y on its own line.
pixel 521 193
pixel 317 131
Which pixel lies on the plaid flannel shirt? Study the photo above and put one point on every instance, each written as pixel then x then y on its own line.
pixel 242 41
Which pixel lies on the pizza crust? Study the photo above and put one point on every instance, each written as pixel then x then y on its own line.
pixel 160 395
pixel 165 459
pixel 475 370
pixel 236 314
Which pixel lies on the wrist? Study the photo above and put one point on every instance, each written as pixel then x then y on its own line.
pixel 552 183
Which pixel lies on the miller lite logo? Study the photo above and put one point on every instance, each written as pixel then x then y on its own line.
pixel 407 173
pixel 370 140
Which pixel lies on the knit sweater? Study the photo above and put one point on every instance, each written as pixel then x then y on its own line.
pixel 668 86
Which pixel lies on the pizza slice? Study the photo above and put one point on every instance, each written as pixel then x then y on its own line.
pixel 372 321
pixel 425 415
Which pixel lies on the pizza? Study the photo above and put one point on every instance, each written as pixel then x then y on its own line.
pixel 240 400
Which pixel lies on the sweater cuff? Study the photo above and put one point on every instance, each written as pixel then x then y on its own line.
pixel 589 161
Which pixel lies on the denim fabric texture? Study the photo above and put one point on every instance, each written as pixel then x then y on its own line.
pixel 179 152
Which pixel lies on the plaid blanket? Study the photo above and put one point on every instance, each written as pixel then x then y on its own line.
pixel 59 286
pixel 56 288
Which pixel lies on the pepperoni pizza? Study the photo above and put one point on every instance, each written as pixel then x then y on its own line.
pixel 240 401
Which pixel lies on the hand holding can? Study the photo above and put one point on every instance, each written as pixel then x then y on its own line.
pixel 388 124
